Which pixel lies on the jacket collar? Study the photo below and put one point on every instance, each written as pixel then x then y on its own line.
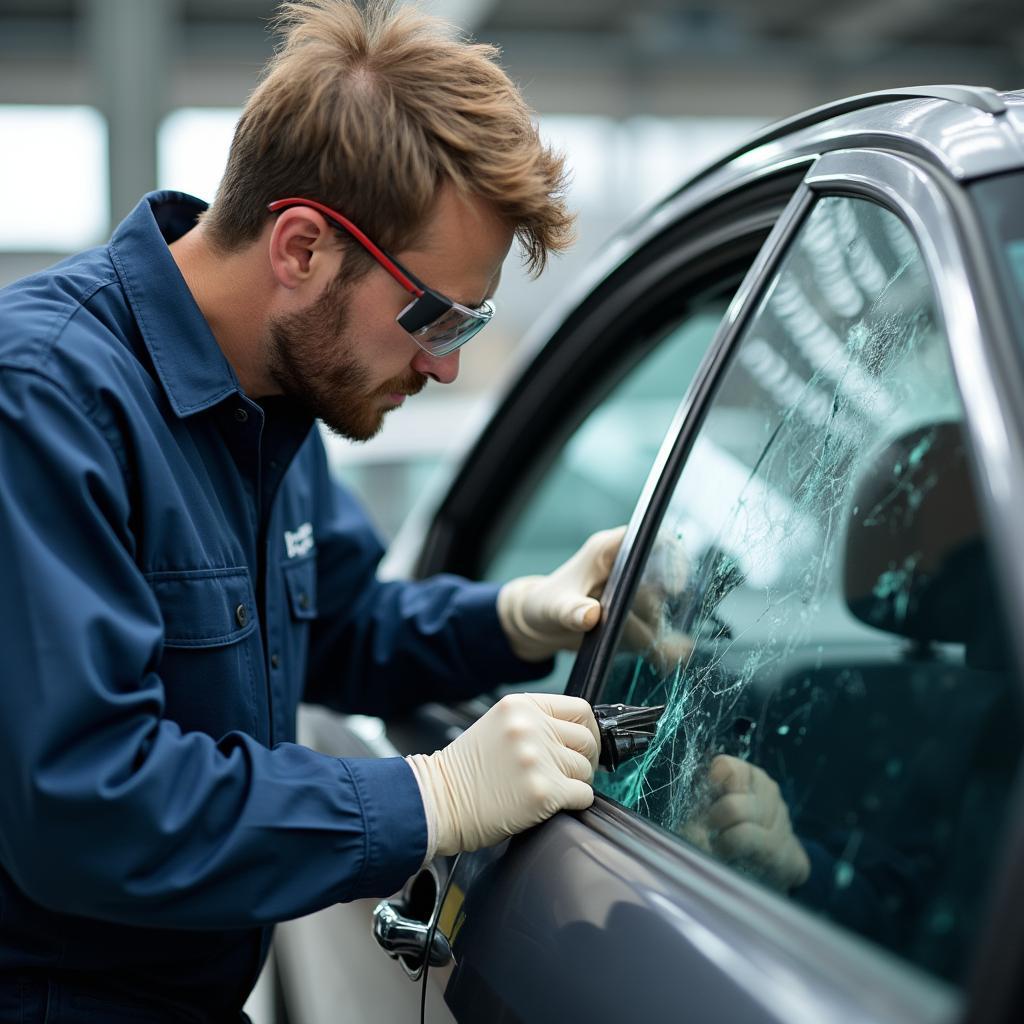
pixel 192 368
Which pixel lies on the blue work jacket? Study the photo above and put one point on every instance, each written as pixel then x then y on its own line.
pixel 178 572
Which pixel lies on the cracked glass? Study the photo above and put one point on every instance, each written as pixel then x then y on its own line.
pixel 818 613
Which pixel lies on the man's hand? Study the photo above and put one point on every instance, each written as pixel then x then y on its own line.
pixel 648 630
pixel 748 825
pixel 528 757
pixel 545 614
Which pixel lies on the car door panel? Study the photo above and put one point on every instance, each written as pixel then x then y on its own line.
pixel 583 919
pixel 467 986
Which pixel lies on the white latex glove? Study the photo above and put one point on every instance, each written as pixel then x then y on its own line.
pixel 748 825
pixel 544 614
pixel 528 757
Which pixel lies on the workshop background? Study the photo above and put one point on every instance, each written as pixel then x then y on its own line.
pixel 103 100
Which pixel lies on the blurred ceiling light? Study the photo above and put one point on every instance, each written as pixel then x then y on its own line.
pixel 48 209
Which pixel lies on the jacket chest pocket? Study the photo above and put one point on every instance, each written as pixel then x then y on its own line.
pixel 211 649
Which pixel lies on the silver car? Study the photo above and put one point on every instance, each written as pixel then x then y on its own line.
pixel 799 380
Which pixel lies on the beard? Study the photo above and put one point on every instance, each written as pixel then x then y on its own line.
pixel 311 360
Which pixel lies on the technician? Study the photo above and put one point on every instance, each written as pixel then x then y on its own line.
pixel 179 571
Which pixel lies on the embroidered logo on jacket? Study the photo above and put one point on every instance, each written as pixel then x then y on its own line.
pixel 299 542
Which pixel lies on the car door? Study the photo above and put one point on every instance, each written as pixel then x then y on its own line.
pixel 817 585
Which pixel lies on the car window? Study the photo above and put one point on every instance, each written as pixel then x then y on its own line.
pixel 596 478
pixel 818 611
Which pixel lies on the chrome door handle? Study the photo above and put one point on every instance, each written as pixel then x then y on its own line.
pixel 401 936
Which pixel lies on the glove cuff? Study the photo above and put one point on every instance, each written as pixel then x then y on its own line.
pixel 444 835
pixel 428 809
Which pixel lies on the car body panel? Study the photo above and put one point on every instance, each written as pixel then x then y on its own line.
pixel 601 918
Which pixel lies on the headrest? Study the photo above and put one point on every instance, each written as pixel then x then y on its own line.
pixel 916 561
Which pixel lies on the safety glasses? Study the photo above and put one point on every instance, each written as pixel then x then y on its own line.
pixel 437 324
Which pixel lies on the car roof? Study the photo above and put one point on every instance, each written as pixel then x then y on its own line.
pixel 969 131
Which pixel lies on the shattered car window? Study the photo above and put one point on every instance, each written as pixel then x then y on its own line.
pixel 818 612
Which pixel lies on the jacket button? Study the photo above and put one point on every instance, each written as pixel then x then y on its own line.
pixel 304 601
pixel 241 415
pixel 241 615
pixel 275 661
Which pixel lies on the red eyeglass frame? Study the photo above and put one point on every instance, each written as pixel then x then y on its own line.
pixel 427 305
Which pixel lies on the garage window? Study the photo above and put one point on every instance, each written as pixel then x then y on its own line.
pixel 47 209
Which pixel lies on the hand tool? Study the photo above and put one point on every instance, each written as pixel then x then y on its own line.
pixel 626 731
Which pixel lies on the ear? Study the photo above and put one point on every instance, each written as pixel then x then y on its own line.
pixel 302 249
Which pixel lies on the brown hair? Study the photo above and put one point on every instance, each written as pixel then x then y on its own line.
pixel 370 111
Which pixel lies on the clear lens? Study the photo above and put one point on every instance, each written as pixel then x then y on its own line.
pixel 453 328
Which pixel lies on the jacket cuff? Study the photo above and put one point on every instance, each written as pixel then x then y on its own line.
pixel 395 823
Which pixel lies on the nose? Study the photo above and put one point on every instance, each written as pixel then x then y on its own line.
pixel 443 369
